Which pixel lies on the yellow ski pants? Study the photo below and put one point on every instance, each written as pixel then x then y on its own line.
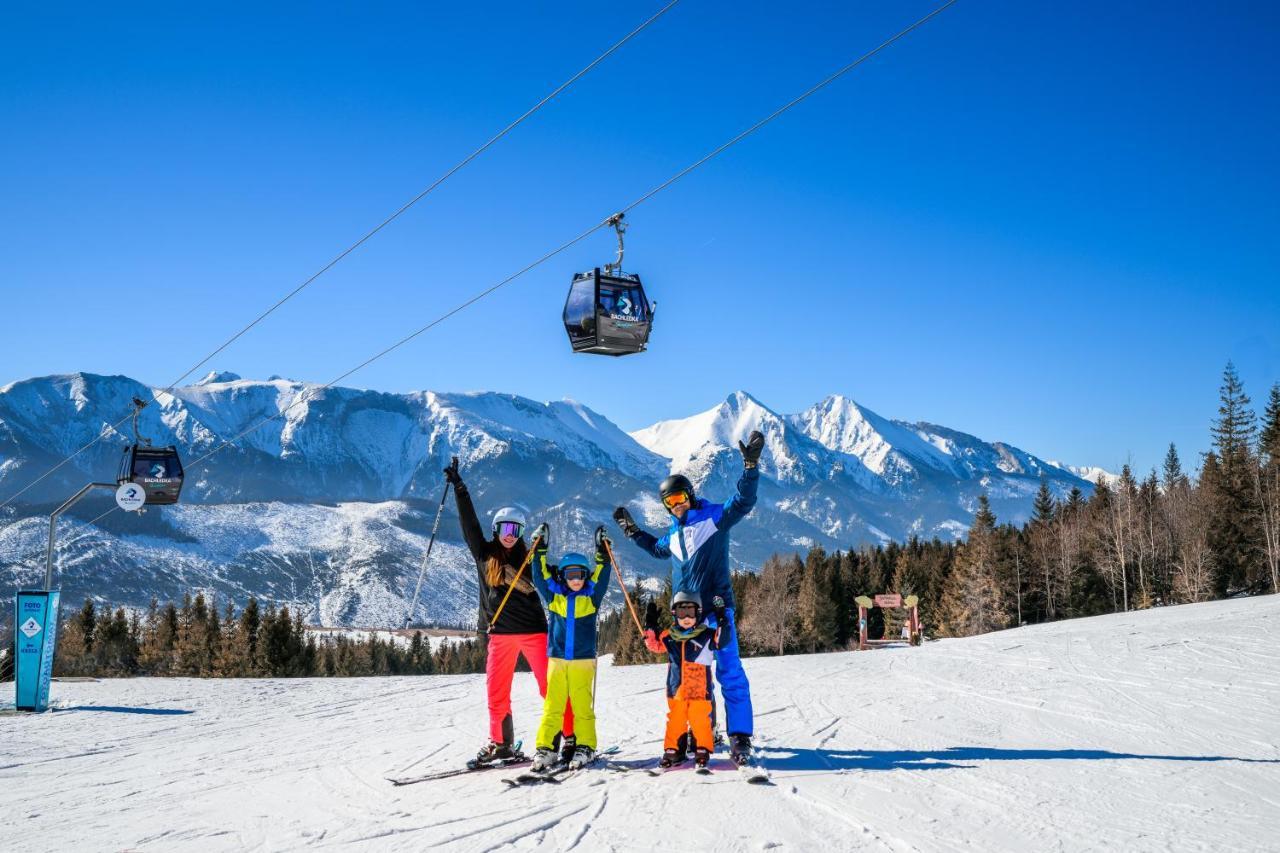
pixel 574 680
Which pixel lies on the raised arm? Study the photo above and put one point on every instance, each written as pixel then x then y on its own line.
pixel 652 641
pixel 742 502
pixel 472 532
pixel 604 567
pixel 540 573
pixel 646 540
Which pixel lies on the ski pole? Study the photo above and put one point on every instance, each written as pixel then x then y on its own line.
pixel 427 556
pixel 626 596
pixel 528 558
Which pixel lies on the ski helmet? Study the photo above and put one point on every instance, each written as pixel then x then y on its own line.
pixel 674 484
pixel 573 561
pixel 509 514
pixel 685 597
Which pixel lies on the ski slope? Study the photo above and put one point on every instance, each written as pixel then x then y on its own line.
pixel 1147 731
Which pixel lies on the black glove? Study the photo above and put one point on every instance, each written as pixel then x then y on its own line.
pixel 451 473
pixel 752 449
pixel 717 604
pixel 602 538
pixel 542 535
pixel 651 617
pixel 626 522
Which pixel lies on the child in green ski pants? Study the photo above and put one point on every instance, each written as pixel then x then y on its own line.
pixel 572 592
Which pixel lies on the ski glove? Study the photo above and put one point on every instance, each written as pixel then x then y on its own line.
pixel 718 605
pixel 602 538
pixel 626 522
pixel 451 473
pixel 542 534
pixel 652 643
pixel 651 618
pixel 752 449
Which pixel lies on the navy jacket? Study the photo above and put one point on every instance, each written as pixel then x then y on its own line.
pixel 572 626
pixel 698 544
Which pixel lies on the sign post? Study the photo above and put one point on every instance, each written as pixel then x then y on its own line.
pixel 36 624
pixel 889 600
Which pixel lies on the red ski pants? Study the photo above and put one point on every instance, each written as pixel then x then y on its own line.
pixel 500 666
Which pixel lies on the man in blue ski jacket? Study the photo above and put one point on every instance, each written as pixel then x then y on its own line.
pixel 698 545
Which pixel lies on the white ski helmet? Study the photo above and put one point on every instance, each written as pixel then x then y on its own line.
pixel 508 513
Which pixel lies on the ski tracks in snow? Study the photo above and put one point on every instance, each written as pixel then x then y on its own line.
pixel 1120 731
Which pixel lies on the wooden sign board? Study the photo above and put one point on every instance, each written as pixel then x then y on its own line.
pixel 890 600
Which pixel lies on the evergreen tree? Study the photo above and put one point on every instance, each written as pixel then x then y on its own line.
pixel 1234 533
pixel 1267 487
pixel 193 637
pixel 973 600
pixel 813 603
pixel 1172 475
pixel 250 626
pixel 1044 507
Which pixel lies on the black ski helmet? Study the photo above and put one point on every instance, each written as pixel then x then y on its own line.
pixel 677 483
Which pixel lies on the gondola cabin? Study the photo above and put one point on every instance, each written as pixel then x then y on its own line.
pixel 607 314
pixel 158 470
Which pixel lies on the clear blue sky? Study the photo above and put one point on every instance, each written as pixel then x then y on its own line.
pixel 1048 225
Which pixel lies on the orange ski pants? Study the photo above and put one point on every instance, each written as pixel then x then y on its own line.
pixel 689 715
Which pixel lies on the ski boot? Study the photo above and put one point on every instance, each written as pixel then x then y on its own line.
pixel 740 749
pixel 544 759
pixel 493 752
pixel 568 744
pixel 582 756
pixel 702 757
pixel 670 758
pixel 685 745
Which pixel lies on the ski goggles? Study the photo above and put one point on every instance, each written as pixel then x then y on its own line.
pixel 674 499
pixel 510 528
pixel 686 608
pixel 575 573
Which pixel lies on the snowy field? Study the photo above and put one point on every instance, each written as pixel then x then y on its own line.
pixel 1150 731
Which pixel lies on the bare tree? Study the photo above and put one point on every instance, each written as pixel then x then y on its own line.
pixel 768 623
pixel 1189 513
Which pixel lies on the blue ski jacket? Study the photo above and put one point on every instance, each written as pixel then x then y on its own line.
pixel 698 544
pixel 571 633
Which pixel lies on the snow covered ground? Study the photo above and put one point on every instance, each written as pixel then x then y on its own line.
pixel 1148 731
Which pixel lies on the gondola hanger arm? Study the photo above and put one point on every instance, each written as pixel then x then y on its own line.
pixel 620 227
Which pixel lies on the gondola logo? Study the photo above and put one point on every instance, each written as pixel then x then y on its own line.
pixel 157 470
pixel 31 627
pixel 130 497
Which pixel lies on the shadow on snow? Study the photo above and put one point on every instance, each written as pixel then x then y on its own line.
pixel 116 709
pixel 789 758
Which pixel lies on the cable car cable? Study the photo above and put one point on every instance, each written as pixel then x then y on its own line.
pixel 607 222
pixel 337 259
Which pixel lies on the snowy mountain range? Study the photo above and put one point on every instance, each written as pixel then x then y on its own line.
pixel 329 501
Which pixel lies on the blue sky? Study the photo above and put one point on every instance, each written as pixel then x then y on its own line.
pixel 1045 225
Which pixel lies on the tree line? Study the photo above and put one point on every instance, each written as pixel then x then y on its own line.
pixel 1171 537
pixel 197 640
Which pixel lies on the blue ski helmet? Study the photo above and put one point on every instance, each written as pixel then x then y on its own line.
pixel 574 560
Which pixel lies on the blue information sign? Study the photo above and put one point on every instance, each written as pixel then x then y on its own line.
pixel 36 628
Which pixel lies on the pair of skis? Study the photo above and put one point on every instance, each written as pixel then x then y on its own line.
pixel 472 766
pixel 752 772
pixel 559 772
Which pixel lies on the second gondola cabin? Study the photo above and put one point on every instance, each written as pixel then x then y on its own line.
pixel 158 470
pixel 607 313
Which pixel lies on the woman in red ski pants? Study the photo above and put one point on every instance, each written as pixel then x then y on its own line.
pixel 520 627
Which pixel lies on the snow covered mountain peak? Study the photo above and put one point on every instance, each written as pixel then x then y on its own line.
pixel 701 445
pixel 217 377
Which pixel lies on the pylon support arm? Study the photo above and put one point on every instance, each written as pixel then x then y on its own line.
pixel 53 525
